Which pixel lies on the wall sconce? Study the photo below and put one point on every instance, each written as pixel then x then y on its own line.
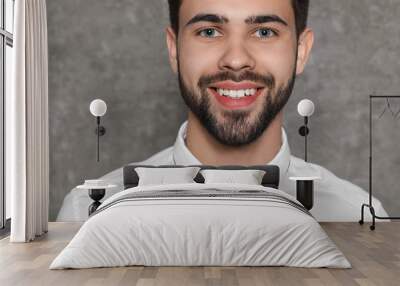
pixel 305 108
pixel 98 108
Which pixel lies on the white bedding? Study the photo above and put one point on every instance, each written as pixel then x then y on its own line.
pixel 200 231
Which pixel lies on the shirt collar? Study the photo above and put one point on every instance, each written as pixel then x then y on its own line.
pixel 183 156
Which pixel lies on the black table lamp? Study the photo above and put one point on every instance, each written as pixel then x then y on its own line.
pixel 306 109
pixel 98 108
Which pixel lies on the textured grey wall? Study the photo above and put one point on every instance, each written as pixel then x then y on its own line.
pixel 115 50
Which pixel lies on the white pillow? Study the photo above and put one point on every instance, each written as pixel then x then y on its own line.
pixel 248 177
pixel 162 176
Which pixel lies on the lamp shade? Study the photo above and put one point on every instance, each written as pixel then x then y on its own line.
pixel 306 108
pixel 98 107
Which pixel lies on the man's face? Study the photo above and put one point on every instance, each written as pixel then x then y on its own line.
pixel 236 61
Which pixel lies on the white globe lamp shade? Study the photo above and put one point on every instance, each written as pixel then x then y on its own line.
pixel 98 107
pixel 306 108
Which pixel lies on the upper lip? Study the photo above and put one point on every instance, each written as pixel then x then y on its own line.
pixel 231 85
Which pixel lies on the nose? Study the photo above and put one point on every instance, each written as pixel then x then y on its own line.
pixel 236 57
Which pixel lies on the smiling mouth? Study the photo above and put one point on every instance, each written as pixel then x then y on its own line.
pixel 236 99
pixel 236 94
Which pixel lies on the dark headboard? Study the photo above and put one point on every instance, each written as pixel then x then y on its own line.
pixel 270 179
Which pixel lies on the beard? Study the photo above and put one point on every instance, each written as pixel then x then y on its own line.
pixel 236 128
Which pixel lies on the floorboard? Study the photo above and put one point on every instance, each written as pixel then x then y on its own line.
pixel 374 255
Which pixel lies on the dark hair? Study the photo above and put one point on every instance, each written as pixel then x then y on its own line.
pixel 300 8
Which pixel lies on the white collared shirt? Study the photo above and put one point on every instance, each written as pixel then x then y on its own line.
pixel 335 199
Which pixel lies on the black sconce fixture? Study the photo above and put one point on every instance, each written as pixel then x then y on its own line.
pixel 305 184
pixel 306 109
pixel 98 108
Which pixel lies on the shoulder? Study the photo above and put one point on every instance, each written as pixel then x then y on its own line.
pixel 163 157
pixel 328 180
pixel 333 186
pixel 74 207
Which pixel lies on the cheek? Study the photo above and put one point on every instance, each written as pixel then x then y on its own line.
pixel 196 60
pixel 278 59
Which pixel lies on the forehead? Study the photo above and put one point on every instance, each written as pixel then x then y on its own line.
pixel 237 10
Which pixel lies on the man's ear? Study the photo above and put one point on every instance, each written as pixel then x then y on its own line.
pixel 172 49
pixel 306 41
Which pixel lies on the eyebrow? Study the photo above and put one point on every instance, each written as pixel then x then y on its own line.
pixel 261 19
pixel 213 18
pixel 219 19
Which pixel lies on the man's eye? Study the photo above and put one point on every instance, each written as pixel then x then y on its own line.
pixel 209 33
pixel 265 33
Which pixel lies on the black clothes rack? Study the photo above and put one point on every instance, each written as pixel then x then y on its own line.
pixel 369 205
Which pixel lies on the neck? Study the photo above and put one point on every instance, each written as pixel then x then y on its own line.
pixel 209 151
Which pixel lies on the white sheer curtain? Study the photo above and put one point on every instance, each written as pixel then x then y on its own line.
pixel 27 143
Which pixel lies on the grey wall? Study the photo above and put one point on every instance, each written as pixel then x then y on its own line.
pixel 115 50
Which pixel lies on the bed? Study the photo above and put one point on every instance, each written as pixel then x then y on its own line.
pixel 201 224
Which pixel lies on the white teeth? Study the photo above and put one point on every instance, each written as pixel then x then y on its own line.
pixel 237 93
pixel 241 93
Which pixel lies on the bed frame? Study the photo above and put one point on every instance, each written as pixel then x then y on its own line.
pixel 270 179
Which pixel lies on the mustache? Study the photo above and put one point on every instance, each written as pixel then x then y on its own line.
pixel 267 79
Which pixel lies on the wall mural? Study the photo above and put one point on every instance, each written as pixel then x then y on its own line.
pixel 118 52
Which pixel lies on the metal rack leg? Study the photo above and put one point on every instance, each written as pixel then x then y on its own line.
pixel 372 211
pixel 361 221
pixel 374 216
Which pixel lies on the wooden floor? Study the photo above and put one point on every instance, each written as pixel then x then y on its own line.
pixel 374 255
